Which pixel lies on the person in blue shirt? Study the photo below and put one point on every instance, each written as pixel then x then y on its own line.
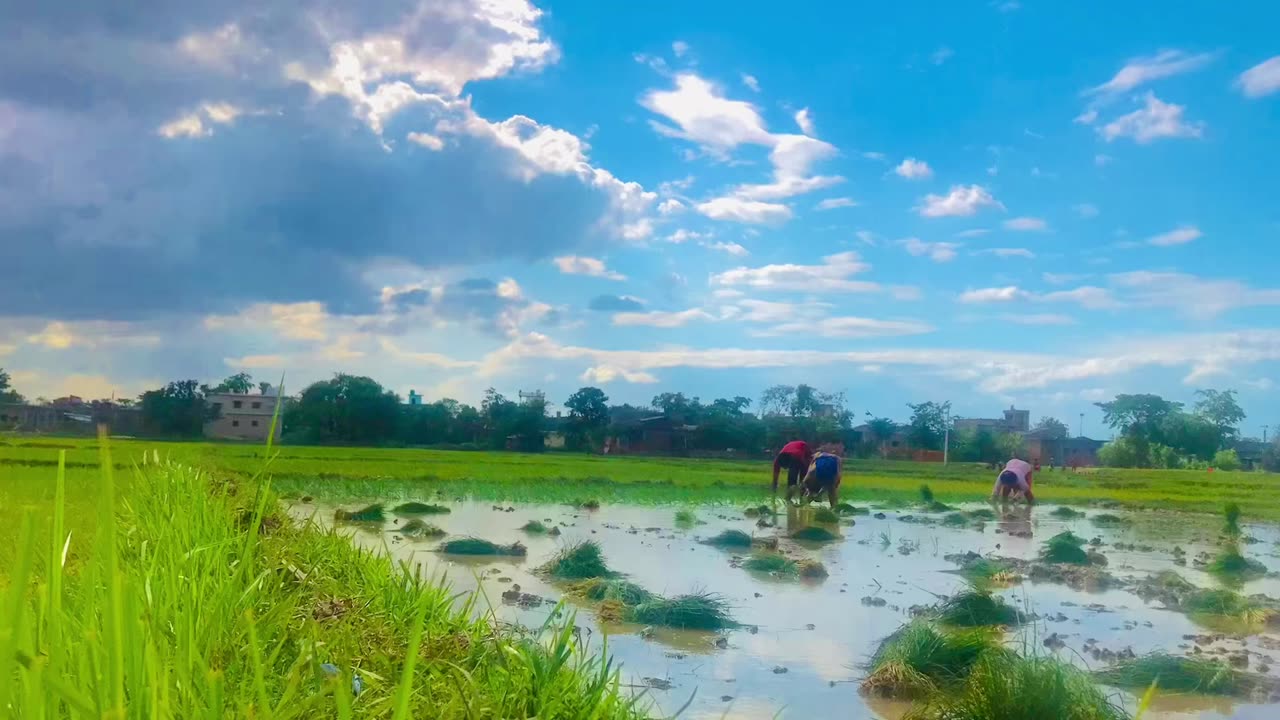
pixel 825 473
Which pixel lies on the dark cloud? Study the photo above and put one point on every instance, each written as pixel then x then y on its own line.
pixel 615 303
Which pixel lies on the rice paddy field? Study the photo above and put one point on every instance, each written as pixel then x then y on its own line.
pixel 356 582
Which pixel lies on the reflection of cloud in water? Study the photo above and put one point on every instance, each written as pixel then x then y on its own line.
pixel 820 654
pixel 741 709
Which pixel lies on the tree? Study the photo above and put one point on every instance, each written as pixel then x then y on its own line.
pixel 928 424
pixel 729 408
pixel 675 405
pixel 1121 453
pixel 1190 436
pixel 264 387
pixel 7 393
pixel 880 429
pixel 1271 457
pixel 176 410
pixel 777 400
pixel 347 409
pixel 1008 445
pixel 1220 408
pixel 588 417
pixel 240 383
pixel 1139 418
pixel 1053 428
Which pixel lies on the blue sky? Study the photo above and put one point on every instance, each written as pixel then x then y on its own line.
pixel 988 203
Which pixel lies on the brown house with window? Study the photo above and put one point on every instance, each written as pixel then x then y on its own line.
pixel 241 417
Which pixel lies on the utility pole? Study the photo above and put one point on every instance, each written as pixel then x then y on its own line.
pixel 1265 428
pixel 1081 424
pixel 946 439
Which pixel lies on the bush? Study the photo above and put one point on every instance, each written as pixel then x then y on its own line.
pixel 1226 460
pixel 1121 453
pixel 1165 457
pixel 1271 458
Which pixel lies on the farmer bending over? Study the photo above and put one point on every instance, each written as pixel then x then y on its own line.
pixel 795 456
pixel 1016 477
pixel 824 474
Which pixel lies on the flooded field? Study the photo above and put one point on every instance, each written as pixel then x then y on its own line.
pixel 802 644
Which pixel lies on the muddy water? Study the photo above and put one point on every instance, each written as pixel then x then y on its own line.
pixel 801 651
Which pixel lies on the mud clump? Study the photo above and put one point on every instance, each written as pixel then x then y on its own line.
pixel 418 508
pixel 480 546
pixel 416 528
pixel 814 533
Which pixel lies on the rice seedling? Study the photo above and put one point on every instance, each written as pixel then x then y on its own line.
pixel 771 562
pixel 480 546
pixel 825 515
pixel 981 514
pixel 926 494
pixel 615 589
pixel 919 659
pixel 729 538
pixel 1065 547
pixel 578 561
pixel 955 519
pixel 370 513
pixel 418 508
pixel 416 528
pixel 937 507
pixel 814 533
pixel 1231 565
pixel 1179 674
pixel 693 611
pixel 983 570
pixel 1108 520
pixel 759 511
pixel 1231 515
pixel 589 504
pixel 534 526
pixel 1006 686
pixel 686 517
pixel 845 508
pixel 976 608
pixel 1062 512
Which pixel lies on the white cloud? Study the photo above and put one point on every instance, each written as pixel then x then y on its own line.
pixel 670 206
pixel 744 211
pixel 1262 384
pixel 1197 297
pixel 767 312
pixel 839 202
pixel 91 334
pixel 187 125
pixel 834 275
pixel 1088 117
pixel 1026 224
pixel 937 251
pixel 1087 296
pixel 731 248
pixel 960 201
pixel 792 156
pixel 1007 252
pixel 751 82
pixel 866 237
pixel 1086 210
pixel 578 265
pixel 605 374
pixel 941 55
pixel 1140 71
pixel 849 327
pixel 426 140
pixel 805 122
pixel 1178 236
pixel 1007 6
pixel 682 235
pixel 679 47
pixel 422 359
pixel 257 362
pixel 1261 79
pixel 1061 278
pixel 975 232
pixel 872 155
pixel 1154 121
pixel 292 321
pixel 905 292
pixel 990 295
pixel 661 319
pixel 913 169
pixel 704 116
pixel 1038 319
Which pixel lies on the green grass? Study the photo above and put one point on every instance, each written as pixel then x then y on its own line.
pixel 578 561
pixel 1231 565
pixel 370 513
pixel 480 546
pixel 693 611
pixel 534 527
pixel 1107 520
pixel 1065 547
pixel 729 538
pixel 1179 674
pixel 1231 519
pixel 981 514
pixel 778 564
pixel 845 508
pixel 920 659
pixel 179 601
pixel 988 571
pixel 1006 686
pixel 976 608
pixel 601 589
pixel 414 507
pixel 926 494
pixel 418 529
pixel 686 518
pixel 814 533
pixel 825 515
pixel 1062 512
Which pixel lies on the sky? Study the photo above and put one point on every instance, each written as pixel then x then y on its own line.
pixel 987 203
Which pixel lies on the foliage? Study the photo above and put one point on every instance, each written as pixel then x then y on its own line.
pixel 693 611
pixel 178 409
pixel 1189 436
pixel 1226 460
pixel 480 546
pixel 7 393
pixel 928 424
pixel 1053 428
pixel 503 419
pixel 588 417
pixel 346 409
pixel 240 384
pixel 976 445
pixel 414 507
pixel 919 659
pixel 1065 547
pixel 977 608
pixel 1220 408
pixel 579 561
pixel 1121 453
pixel 729 538
pixel 369 513
pixel 1006 686
pixel 1178 674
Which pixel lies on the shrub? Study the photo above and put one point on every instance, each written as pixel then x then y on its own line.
pixel 1121 453
pixel 1226 460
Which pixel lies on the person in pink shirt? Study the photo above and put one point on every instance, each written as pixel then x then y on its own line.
pixel 795 456
pixel 1015 477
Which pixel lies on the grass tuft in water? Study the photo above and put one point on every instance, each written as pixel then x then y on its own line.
pixel 480 546
pixel 825 515
pixel 578 561
pixel 418 508
pixel 989 571
pixel 1065 547
pixel 1062 512
pixel 1179 674
pixel 937 507
pixel 694 611
pixel 920 659
pixel 981 514
pixel 813 533
pixel 926 494
pixel 758 511
pixel 845 508
pixel 1008 687
pixel 977 608
pixel 1231 515
pixel 955 519
pixel 1230 564
pixel 416 528
pixel 370 513
pixel 686 518
pixel 771 562
pixel 813 569
pixel 534 526
pixel 612 589
pixel 589 504
pixel 1107 520
pixel 729 538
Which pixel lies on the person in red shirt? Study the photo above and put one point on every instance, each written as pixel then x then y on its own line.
pixel 795 456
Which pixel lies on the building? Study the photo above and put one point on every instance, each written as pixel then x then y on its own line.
pixel 1061 452
pixel 1014 421
pixel 658 434
pixel 241 417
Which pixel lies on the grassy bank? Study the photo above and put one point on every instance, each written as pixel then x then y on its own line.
pixel 180 594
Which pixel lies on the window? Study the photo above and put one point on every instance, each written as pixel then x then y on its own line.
pixel 255 404
pixel 235 423
pixel 236 404
pixel 217 408
pixel 253 423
